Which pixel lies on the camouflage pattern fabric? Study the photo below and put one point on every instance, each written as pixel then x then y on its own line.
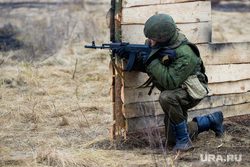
pixel 160 27
pixel 174 100
pixel 175 104
pixel 172 76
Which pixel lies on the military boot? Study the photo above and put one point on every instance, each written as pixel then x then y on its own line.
pixel 183 140
pixel 212 121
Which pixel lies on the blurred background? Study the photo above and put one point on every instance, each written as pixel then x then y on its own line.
pixel 39 28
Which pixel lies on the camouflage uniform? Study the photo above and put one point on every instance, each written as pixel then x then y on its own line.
pixel 174 100
pixel 181 80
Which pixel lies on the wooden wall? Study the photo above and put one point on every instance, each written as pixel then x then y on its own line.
pixel 227 64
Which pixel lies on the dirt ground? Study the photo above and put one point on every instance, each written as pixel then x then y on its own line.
pixel 55 106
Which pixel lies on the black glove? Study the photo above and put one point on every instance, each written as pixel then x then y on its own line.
pixel 122 53
pixel 150 59
pixel 144 57
pixel 169 53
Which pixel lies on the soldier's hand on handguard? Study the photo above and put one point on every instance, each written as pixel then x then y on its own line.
pixel 122 53
pixel 169 53
pixel 147 60
pixel 144 57
pixel 166 56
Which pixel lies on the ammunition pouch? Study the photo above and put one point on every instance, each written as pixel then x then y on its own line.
pixel 194 87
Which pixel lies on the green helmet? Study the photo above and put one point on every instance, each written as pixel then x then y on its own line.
pixel 160 28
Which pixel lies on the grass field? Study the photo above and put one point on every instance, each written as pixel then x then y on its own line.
pixel 55 105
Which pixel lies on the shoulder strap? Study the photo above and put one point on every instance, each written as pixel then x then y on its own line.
pixel 197 52
pixel 194 48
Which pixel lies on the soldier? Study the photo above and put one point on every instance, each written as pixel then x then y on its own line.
pixel 181 78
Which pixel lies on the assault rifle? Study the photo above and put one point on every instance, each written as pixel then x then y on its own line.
pixel 133 49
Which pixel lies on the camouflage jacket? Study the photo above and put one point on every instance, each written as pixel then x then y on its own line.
pixel 171 76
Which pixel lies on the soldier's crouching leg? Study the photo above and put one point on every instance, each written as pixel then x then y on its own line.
pixel 169 133
pixel 175 104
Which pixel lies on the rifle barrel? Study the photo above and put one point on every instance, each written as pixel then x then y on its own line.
pixel 97 47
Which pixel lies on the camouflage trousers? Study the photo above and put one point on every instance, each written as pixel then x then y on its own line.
pixel 175 104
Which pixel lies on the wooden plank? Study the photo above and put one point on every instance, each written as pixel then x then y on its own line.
pixel 197 12
pixel 229 87
pixel 153 108
pixel 140 123
pixel 215 73
pixel 225 53
pixel 142 109
pixel 228 111
pixel 223 100
pixel 195 32
pixel 132 3
pixel 135 78
pixel 224 73
pixel 178 1
pixel 133 34
pixel 141 95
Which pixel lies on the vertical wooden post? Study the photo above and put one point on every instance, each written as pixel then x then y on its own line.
pixel 112 69
pixel 119 119
pixel 119 127
pixel 112 129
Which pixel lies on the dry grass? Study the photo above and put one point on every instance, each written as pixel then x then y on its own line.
pixel 57 112
pixel 44 111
